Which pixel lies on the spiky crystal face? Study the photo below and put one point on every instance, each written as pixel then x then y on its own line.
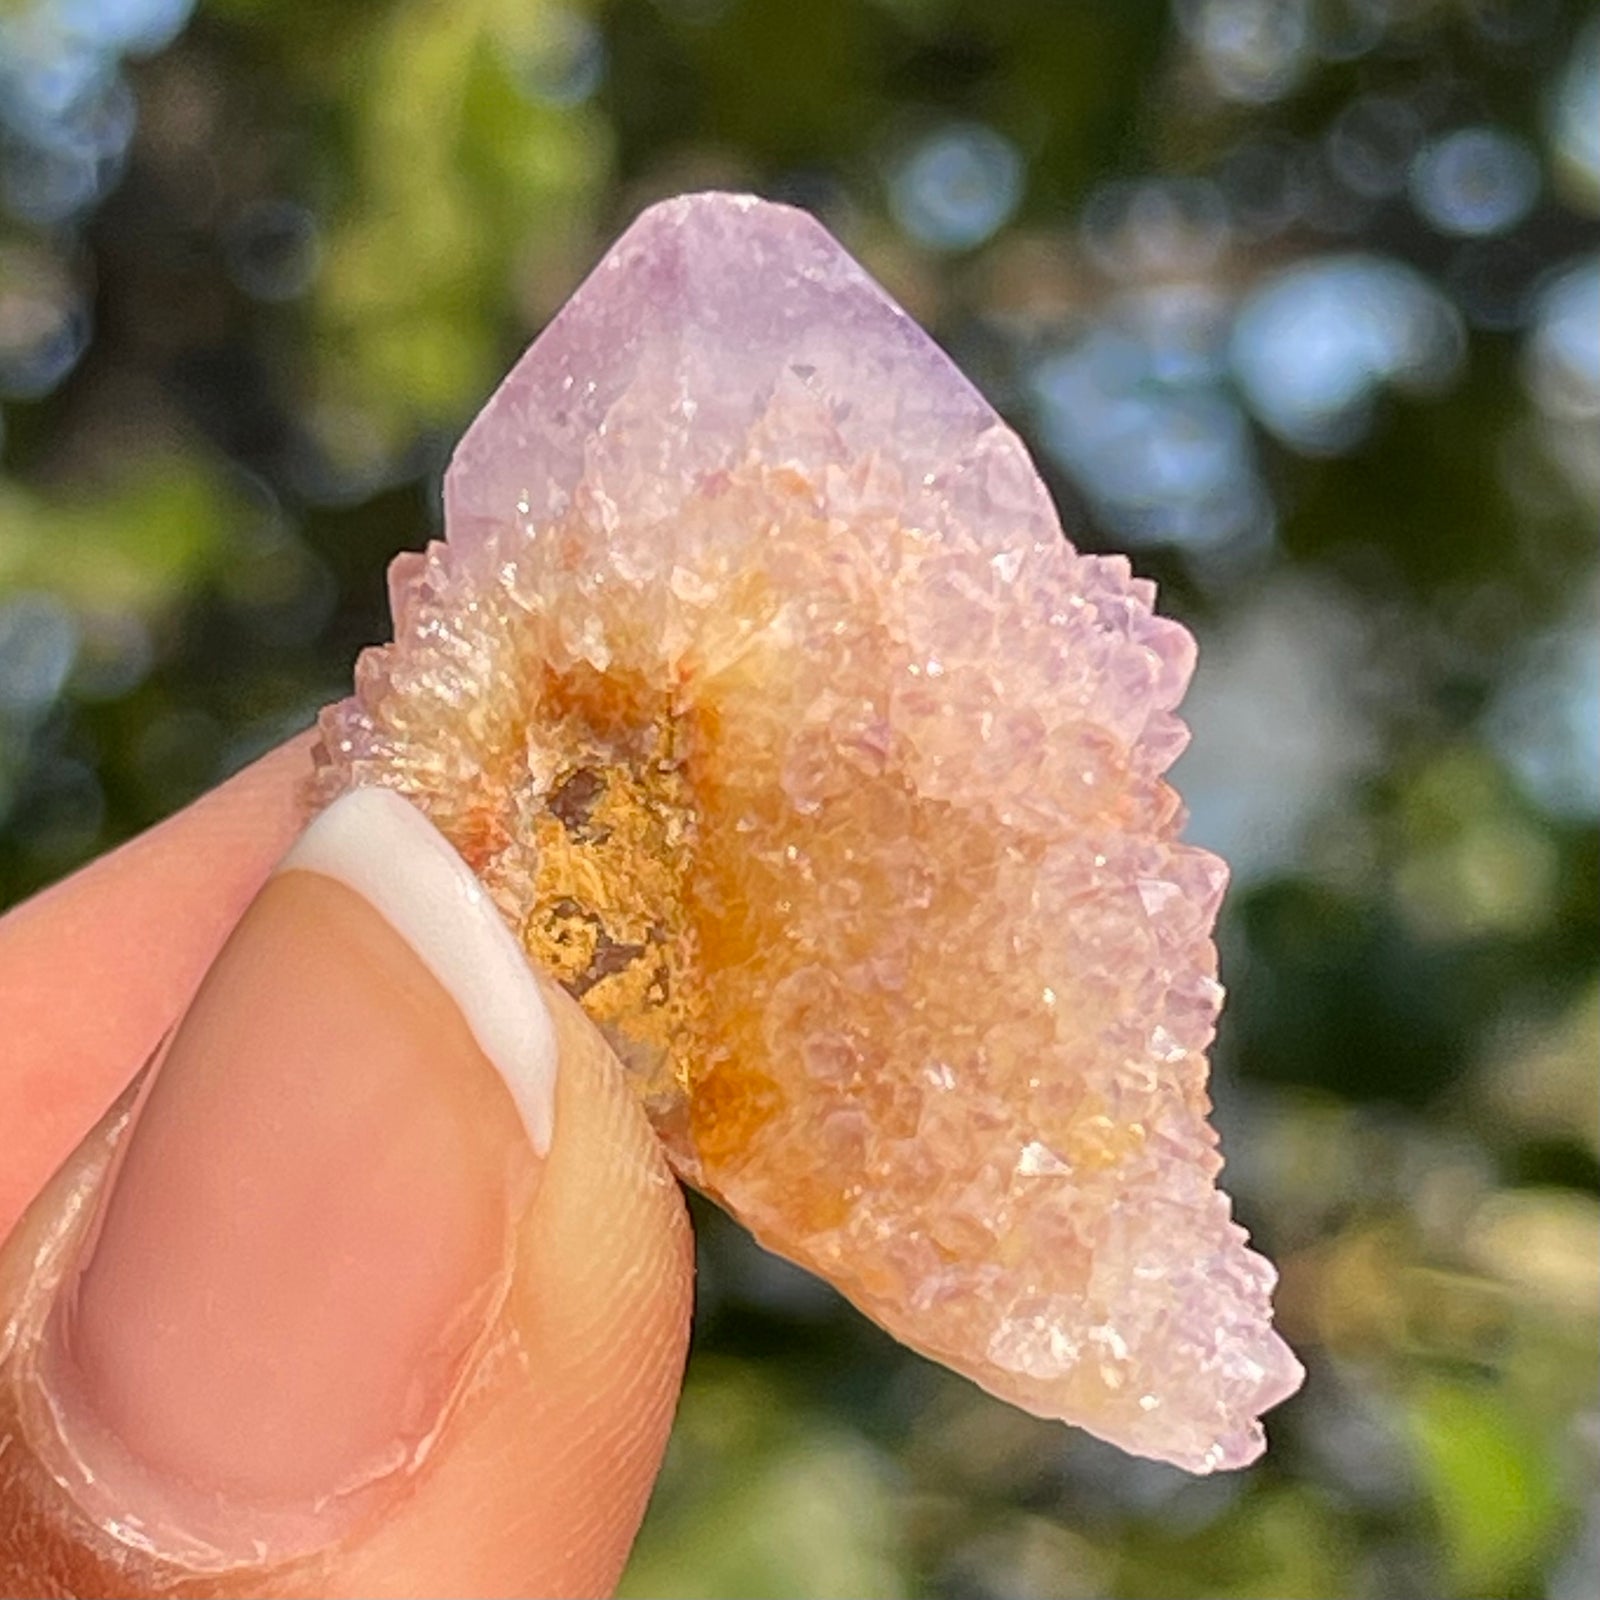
pixel 760 686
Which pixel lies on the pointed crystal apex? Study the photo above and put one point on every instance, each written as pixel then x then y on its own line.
pixel 658 371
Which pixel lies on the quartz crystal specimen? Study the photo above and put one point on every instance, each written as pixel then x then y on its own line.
pixel 759 685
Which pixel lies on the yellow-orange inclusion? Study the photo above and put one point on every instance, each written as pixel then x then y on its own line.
pixel 762 691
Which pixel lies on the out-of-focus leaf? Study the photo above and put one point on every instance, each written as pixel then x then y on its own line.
pixel 461 174
pixel 1492 1482
pixel 783 1503
pixel 137 547
pixel 1283 1542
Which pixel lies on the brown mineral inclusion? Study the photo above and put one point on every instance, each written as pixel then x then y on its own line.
pixel 610 867
pixel 761 689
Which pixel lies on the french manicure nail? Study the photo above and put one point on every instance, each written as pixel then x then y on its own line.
pixel 308 1228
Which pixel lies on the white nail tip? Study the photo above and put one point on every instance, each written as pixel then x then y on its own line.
pixel 375 842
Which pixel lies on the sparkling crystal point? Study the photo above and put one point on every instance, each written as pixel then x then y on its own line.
pixel 760 686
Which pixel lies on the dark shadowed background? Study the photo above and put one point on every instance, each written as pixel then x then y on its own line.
pixel 1298 302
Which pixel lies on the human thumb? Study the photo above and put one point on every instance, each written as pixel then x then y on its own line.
pixel 374 1283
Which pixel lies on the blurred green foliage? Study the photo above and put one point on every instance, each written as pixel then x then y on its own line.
pixel 1299 300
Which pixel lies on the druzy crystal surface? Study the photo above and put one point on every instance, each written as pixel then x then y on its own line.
pixel 758 683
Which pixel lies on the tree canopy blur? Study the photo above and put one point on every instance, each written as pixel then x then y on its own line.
pixel 1298 301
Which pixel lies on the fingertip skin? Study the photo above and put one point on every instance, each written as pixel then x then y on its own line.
pixel 95 970
pixel 548 1477
pixel 540 1478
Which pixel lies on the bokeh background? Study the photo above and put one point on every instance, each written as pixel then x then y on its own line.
pixel 1297 300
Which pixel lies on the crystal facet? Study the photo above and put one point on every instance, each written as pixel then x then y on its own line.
pixel 759 685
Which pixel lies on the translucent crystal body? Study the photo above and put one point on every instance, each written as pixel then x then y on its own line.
pixel 758 683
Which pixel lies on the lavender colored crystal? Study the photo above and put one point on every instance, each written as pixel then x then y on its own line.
pixel 879 888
